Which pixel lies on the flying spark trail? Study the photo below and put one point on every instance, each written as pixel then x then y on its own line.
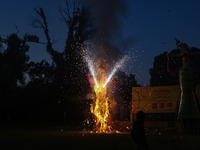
pixel 91 68
pixel 117 66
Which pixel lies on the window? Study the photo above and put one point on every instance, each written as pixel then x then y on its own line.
pixel 162 105
pixel 154 105
pixel 169 105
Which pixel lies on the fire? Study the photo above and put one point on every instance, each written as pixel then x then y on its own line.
pixel 101 109
pixel 101 106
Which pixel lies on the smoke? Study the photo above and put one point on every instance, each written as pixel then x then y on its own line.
pixel 109 15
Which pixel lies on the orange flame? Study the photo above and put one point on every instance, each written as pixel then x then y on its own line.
pixel 101 109
pixel 101 106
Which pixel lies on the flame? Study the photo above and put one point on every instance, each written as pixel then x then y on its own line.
pixel 101 106
pixel 101 109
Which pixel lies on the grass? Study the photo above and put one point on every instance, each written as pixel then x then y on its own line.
pixel 58 137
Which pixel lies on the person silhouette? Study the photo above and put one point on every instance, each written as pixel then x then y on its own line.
pixel 138 132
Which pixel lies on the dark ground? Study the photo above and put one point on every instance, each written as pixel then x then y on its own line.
pixel 35 137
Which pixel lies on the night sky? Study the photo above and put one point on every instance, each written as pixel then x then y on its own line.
pixel 148 30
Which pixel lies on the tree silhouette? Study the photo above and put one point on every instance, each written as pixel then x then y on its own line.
pixel 159 74
pixel 76 85
pixel 121 93
pixel 13 66
pixel 42 71
pixel 70 71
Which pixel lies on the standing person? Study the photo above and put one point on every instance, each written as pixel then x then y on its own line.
pixel 138 132
pixel 188 112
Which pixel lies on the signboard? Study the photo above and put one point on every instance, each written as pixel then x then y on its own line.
pixel 155 99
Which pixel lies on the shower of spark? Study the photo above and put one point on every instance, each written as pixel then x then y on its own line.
pixel 117 66
pixel 101 105
pixel 91 68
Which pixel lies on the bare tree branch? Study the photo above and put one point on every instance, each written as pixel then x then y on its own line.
pixel 77 3
pixel 17 29
pixel 63 17
pixel 41 22
pixel 69 10
pixel 36 23
pixel 65 12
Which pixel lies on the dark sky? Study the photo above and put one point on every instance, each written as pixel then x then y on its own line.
pixel 148 30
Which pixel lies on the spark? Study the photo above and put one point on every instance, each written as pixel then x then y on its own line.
pixel 91 68
pixel 92 72
pixel 117 66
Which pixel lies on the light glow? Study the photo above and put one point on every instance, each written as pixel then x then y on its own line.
pixel 91 68
pixel 100 108
pixel 117 66
pixel 101 105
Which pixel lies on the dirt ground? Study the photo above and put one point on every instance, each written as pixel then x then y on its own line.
pixel 56 138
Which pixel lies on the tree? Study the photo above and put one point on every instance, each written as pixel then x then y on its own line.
pixel 76 84
pixel 159 74
pixel 15 60
pixel 13 66
pixel 70 70
pixel 122 93
pixel 41 71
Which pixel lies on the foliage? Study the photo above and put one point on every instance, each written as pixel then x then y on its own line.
pixel 13 66
pixel 159 74
pixel 41 71
pixel 56 92
pixel 122 94
pixel 68 71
